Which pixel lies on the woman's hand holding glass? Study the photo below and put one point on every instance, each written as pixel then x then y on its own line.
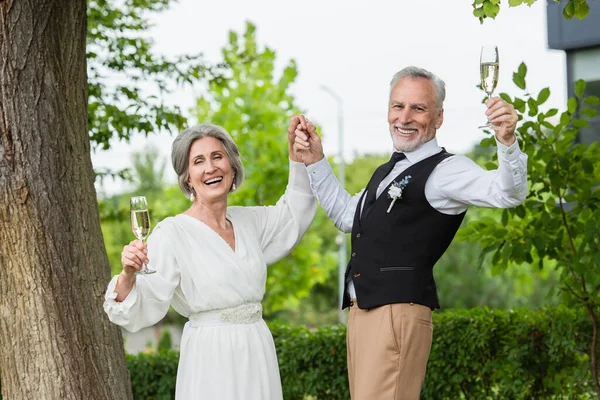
pixel 134 256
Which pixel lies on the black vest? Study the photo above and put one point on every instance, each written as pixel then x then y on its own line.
pixel 393 253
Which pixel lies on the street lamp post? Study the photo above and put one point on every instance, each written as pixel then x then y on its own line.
pixel 341 240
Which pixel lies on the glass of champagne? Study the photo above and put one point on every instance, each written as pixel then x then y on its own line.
pixel 140 224
pixel 489 66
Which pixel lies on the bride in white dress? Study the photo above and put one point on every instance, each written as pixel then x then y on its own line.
pixel 211 267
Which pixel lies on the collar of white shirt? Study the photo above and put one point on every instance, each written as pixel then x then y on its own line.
pixel 426 150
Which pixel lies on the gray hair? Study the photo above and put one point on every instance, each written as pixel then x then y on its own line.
pixel 180 153
pixel 416 72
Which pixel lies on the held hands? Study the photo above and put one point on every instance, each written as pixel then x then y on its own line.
pixel 133 256
pixel 503 115
pixel 303 141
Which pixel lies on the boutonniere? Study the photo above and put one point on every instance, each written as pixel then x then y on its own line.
pixel 396 189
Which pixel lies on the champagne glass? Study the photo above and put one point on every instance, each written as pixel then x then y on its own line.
pixel 140 224
pixel 489 66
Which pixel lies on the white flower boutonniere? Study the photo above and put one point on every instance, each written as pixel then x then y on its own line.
pixel 396 189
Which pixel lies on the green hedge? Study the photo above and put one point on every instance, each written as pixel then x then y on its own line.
pixel 476 354
pixel 153 375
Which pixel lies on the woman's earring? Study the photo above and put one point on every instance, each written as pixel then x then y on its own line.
pixel 192 193
pixel 233 186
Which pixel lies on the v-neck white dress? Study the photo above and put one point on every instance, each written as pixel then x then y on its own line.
pixel 226 351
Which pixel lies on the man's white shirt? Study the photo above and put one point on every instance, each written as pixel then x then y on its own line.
pixel 456 183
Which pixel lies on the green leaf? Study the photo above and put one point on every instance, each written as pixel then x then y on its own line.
pixel 582 11
pixel 478 12
pixel 520 210
pixel 572 105
pixel 522 70
pixel 548 125
pixel 540 118
pixel 519 81
pixel 519 104
pixel 565 118
pixel 569 10
pixel 579 87
pixel 589 112
pixel 581 123
pixel 587 166
pixel 551 112
pixel 487 142
pixel 504 217
pixel 533 107
pixel 543 96
pixel 506 98
pixel 514 3
pixel 491 10
pixel 592 100
pixel 538 242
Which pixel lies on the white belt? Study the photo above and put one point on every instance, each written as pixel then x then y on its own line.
pixel 242 314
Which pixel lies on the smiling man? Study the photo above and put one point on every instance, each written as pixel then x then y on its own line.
pixel 401 224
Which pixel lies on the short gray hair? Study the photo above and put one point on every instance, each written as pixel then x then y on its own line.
pixel 416 72
pixel 180 153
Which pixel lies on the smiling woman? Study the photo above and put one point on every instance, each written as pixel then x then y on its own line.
pixel 206 148
pixel 211 267
pixel 210 172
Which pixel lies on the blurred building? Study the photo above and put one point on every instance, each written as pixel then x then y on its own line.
pixel 581 42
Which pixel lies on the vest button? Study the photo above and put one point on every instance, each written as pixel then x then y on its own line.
pixel 358 235
pixel 353 254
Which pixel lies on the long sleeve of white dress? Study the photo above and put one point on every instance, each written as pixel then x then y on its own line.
pixel 198 271
pixel 281 227
pixel 150 298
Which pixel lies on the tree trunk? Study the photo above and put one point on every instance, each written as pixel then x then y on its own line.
pixel 55 340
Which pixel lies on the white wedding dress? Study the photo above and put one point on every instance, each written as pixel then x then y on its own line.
pixel 226 351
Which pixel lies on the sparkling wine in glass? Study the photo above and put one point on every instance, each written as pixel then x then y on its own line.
pixel 489 67
pixel 140 224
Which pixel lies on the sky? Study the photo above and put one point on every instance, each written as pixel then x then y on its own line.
pixel 354 48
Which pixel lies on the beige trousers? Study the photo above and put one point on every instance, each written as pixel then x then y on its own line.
pixel 388 348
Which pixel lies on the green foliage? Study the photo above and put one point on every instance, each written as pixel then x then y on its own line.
pixel 312 362
pixel 557 226
pixel 492 354
pixel 119 60
pixel 254 107
pixel 476 354
pixel 576 8
pixel 465 281
pixel 165 343
pixel 149 171
pixel 483 9
pixel 153 375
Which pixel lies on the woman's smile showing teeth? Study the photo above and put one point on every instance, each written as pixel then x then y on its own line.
pixel 213 181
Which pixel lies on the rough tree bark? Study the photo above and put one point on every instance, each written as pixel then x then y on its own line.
pixel 55 340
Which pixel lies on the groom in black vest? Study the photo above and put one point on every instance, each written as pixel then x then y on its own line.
pixel 401 224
